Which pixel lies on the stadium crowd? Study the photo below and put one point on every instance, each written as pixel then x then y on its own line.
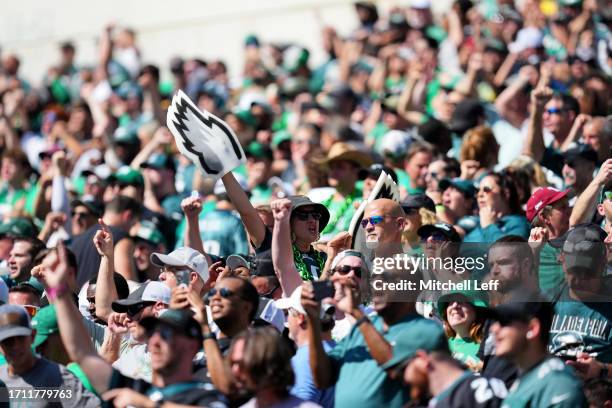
pixel 129 279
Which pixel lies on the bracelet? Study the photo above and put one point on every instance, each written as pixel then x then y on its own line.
pixel 209 336
pixel 54 293
pixel 362 320
pixel 440 207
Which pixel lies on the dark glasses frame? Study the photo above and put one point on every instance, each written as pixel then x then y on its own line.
pixel 133 310
pixel 304 215
pixel 346 269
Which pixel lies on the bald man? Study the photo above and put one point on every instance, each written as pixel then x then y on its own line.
pixel 384 228
pixel 598 134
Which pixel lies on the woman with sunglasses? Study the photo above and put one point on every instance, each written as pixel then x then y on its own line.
pixel 500 212
pixel 298 223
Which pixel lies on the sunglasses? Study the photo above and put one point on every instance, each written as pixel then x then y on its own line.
pixel 345 269
pixel 486 189
pixel 133 310
pixel 32 310
pixel 436 237
pixel 303 216
pixel 554 111
pixel 165 332
pixel 80 214
pixel 223 292
pixel 375 220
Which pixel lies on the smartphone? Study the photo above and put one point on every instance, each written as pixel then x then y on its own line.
pixel 183 277
pixel 323 289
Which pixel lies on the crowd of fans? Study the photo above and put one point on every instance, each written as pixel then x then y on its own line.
pixel 130 279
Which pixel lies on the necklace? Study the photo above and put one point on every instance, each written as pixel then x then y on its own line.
pixel 300 265
pixel 333 220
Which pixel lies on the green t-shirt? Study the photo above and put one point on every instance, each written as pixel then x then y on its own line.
pixel 403 179
pixel 78 372
pixel 261 194
pixel 549 384
pixel 9 198
pixel 340 213
pixel 361 382
pixel 465 351
pixel 586 326
pixel 550 271
pixel 376 134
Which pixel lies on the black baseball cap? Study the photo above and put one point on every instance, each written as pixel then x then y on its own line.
pixel 180 320
pixel 375 170
pixel 522 305
pixel 466 115
pixel 446 229
pixel 584 248
pixel 414 201
pixel 94 206
pixel 581 151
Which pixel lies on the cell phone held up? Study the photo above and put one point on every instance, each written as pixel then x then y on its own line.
pixel 183 277
pixel 323 289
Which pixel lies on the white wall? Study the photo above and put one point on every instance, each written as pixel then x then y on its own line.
pixel 210 29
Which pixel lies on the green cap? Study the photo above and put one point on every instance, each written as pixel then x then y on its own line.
pixel 127 175
pixel 148 231
pixel 465 186
pixel 430 337
pixel 45 324
pixel 478 298
pixel 35 283
pixel 569 3
pixel 280 137
pixel 126 134
pixel 258 151
pixel 18 227
pixel 245 116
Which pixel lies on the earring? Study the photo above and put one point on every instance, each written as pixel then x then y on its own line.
pixel 529 334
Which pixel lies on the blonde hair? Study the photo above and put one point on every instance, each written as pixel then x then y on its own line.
pixel 537 176
pixel 479 144
pixel 410 237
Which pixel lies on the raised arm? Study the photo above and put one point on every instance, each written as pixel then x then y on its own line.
pixel 587 201
pixel 282 254
pixel 576 131
pixel 534 144
pixel 250 218
pixel 106 292
pixel 192 206
pixel 71 327
pixel 320 363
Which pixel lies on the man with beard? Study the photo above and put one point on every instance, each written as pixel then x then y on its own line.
pixel 579 164
pixel 354 363
pixel 21 258
pixel 425 364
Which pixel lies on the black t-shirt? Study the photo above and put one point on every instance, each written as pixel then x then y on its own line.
pixel 187 393
pixel 494 366
pixel 472 391
pixel 88 259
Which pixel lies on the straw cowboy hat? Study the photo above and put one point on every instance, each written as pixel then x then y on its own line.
pixel 349 152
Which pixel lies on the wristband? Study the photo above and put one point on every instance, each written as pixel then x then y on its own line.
pixel 440 207
pixel 209 336
pixel 362 320
pixel 54 293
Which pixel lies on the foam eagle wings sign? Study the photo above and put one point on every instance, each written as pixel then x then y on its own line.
pixel 385 188
pixel 202 137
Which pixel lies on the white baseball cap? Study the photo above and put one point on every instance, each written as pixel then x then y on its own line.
pixel 528 37
pixel 183 256
pixel 152 291
pixel 420 4
pixel 395 142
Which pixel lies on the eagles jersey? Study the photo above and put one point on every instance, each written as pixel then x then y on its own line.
pixel 223 234
pixel 550 383
pixel 471 391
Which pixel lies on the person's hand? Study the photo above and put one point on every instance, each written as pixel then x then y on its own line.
pixel 529 74
pixel 214 270
pixel 103 240
pixel 117 323
pixel 162 136
pixel 586 366
pixel 127 397
pixel 540 95
pixel 60 163
pixel 488 216
pixel 537 238
pixel 281 209
pixel 38 272
pixel 349 302
pixel 191 206
pixel 475 62
pixel 338 243
pixel 580 121
pixel 310 305
pixel 604 176
pixel 179 298
pixel 469 168
pixel 58 273
pixel 54 220
pixel 198 306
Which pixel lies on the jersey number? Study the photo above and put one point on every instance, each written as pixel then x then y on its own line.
pixel 486 388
